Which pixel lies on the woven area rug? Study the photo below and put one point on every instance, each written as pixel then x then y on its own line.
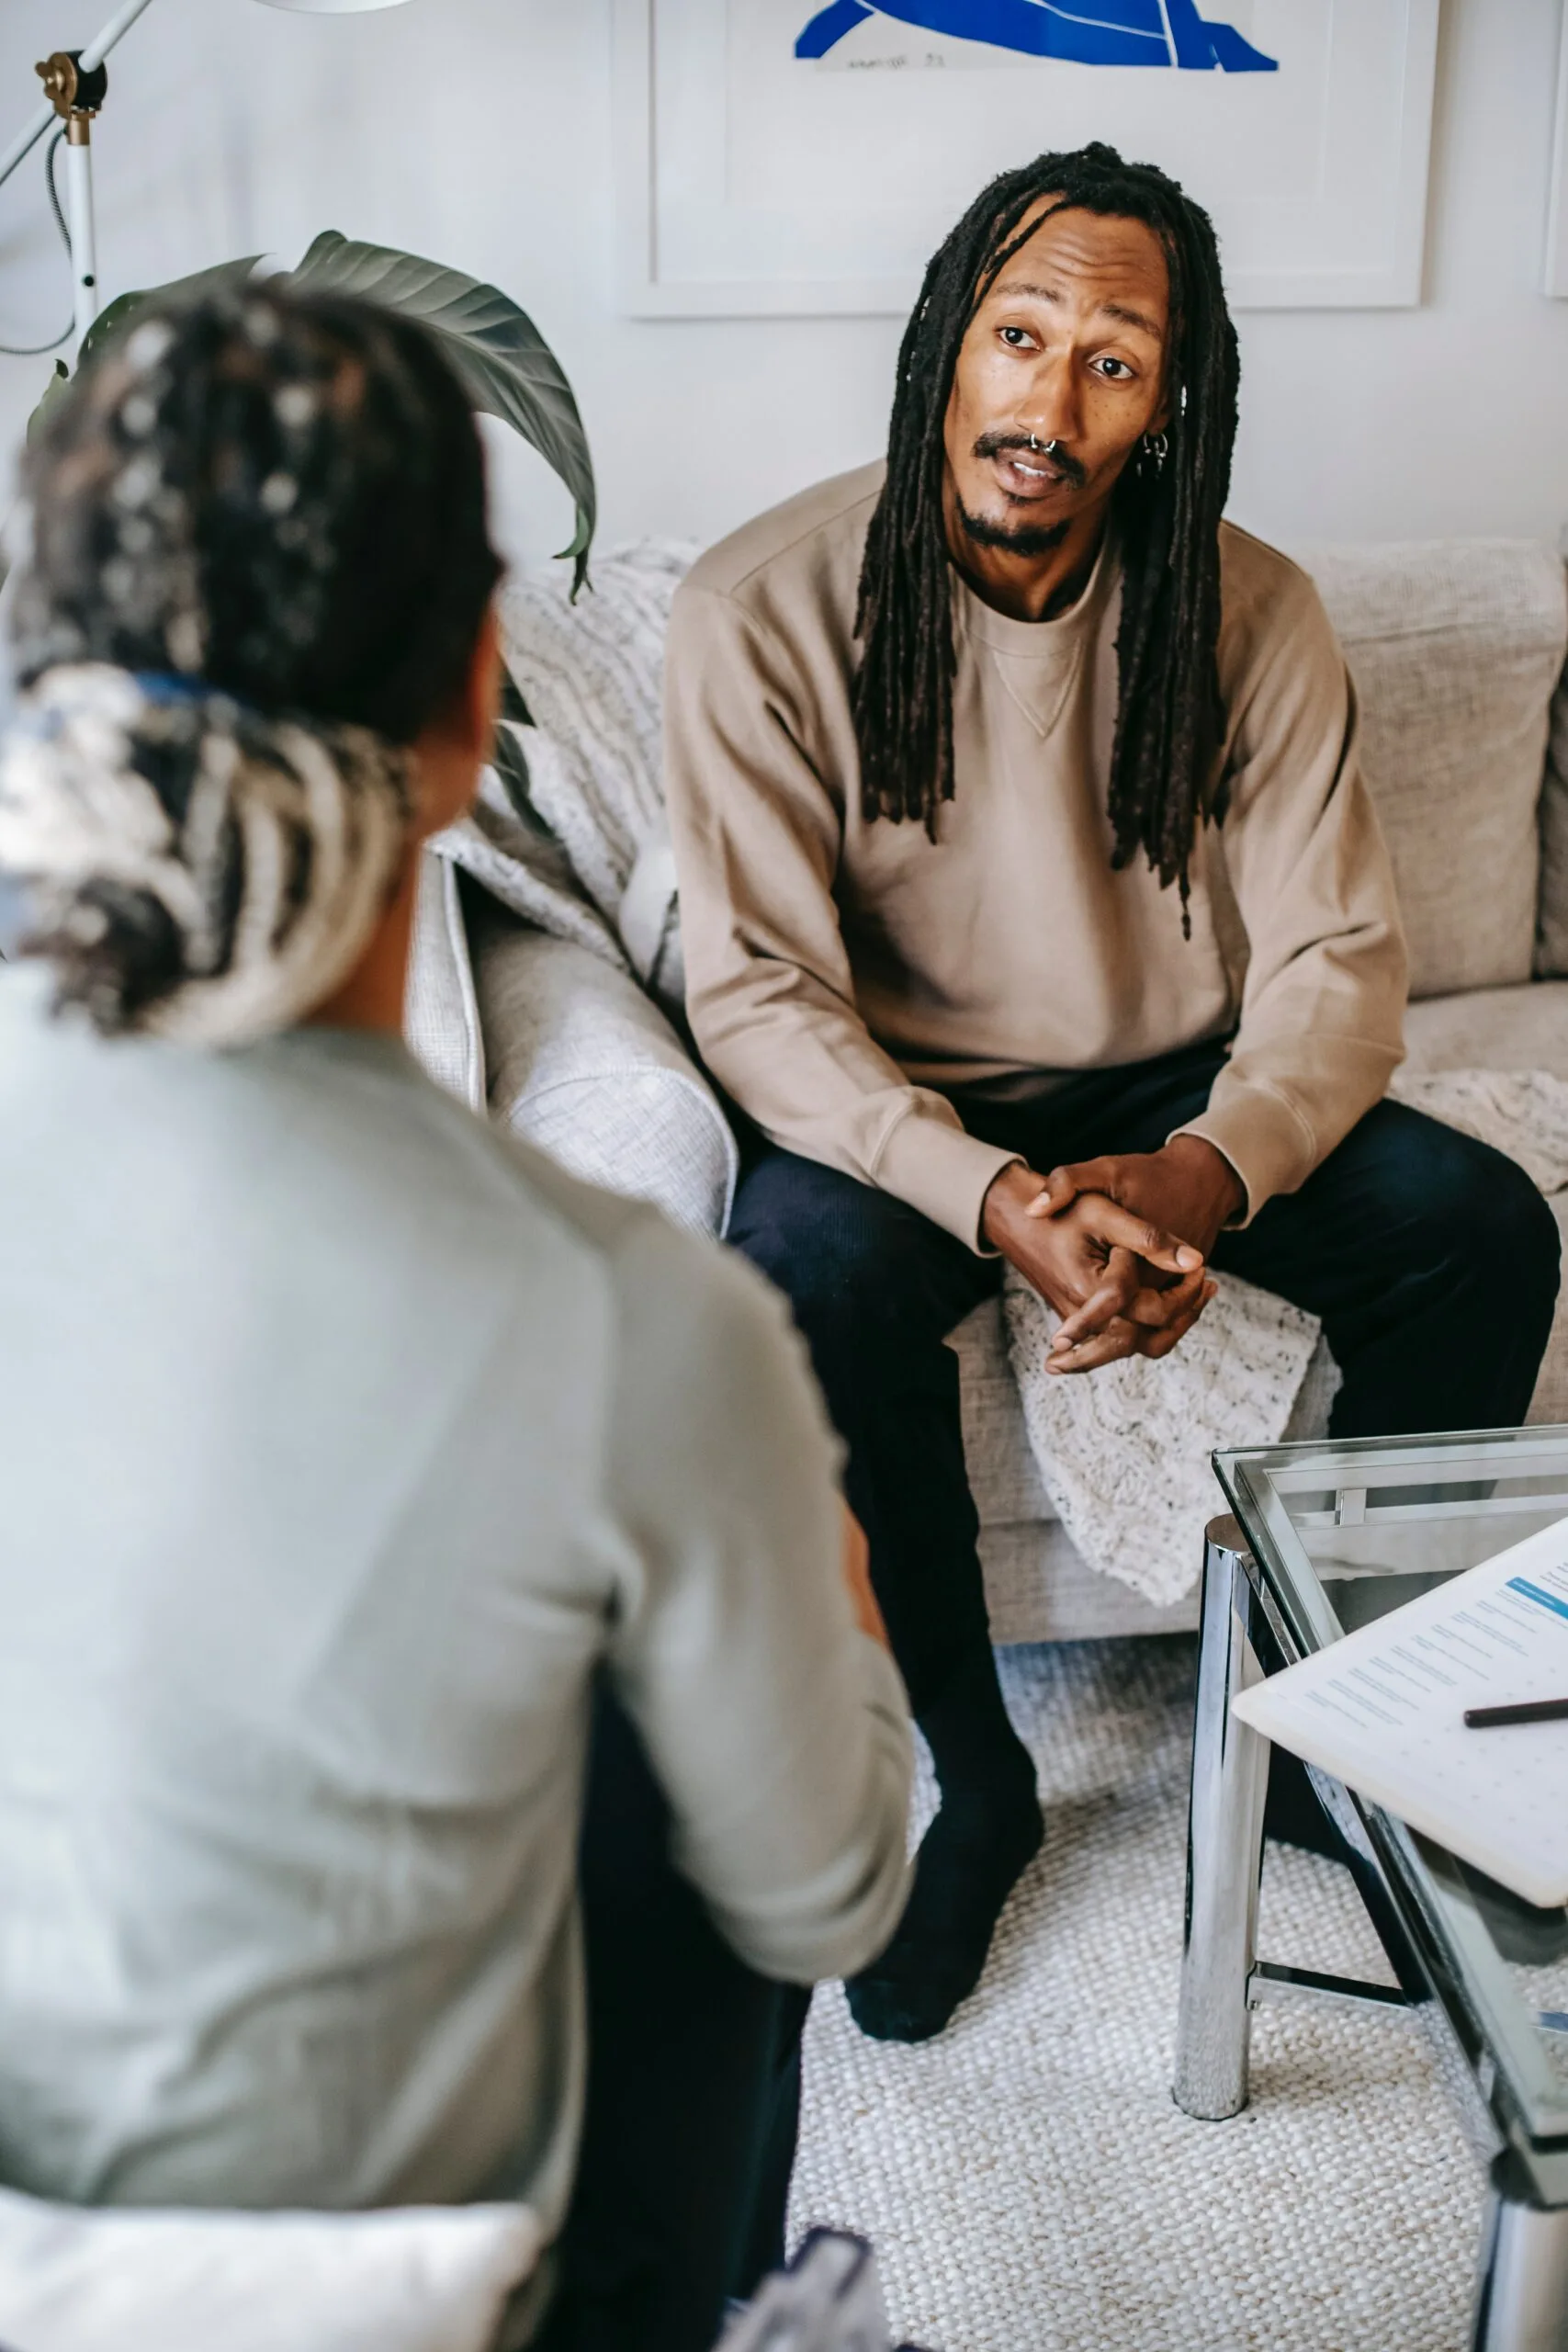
pixel 1029 2183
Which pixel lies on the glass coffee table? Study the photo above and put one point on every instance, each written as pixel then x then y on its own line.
pixel 1324 1537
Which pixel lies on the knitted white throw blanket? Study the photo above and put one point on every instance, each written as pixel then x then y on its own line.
pixel 1123 1453
pixel 591 675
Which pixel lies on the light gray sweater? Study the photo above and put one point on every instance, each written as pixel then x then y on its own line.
pixel 339 1442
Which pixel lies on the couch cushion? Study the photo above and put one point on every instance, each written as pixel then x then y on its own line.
pixel 441 1023
pixel 1492 1029
pixel 430 2279
pixel 1551 932
pixel 1038 1589
pixel 585 1067
pixel 1455 647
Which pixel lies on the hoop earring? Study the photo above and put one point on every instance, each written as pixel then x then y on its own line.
pixel 1155 451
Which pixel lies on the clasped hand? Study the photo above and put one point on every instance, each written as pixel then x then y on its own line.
pixel 1119 1246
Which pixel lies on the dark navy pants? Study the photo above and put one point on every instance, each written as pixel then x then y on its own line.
pixel 1431 1259
pixel 693 2088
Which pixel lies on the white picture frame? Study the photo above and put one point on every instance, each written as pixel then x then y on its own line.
pixel 1555 281
pixel 734 183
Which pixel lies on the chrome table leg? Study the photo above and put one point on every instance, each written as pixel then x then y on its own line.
pixel 1523 2301
pixel 1224 1840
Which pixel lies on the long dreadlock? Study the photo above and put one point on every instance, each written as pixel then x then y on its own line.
pixel 1169 719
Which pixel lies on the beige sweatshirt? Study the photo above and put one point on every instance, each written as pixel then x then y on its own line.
pixel 840 973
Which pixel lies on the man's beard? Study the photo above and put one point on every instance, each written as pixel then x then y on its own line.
pixel 1021 539
pixel 1018 538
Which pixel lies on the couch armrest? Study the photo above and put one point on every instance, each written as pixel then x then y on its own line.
pixel 441 1020
pixel 585 1067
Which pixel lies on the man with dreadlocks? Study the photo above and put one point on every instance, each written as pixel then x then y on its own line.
pixel 941 736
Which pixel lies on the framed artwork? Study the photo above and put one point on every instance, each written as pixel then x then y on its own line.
pixel 1557 213
pixel 779 158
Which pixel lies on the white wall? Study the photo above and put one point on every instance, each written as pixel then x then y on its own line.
pixel 479 132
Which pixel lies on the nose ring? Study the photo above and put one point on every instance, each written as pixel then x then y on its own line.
pixel 1046 448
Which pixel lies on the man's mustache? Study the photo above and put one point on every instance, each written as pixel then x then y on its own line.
pixel 992 445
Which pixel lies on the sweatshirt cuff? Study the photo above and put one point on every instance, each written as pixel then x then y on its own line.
pixel 943 1172
pixel 1264 1137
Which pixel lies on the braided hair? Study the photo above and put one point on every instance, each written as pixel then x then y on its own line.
pixel 280 493
pixel 258 569
pixel 1169 719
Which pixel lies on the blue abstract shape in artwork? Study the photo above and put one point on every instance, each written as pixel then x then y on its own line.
pixel 1084 32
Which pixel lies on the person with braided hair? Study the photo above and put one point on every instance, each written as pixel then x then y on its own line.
pixel 1034 909
pixel 358 1546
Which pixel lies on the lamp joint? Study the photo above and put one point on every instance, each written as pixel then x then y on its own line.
pixel 75 96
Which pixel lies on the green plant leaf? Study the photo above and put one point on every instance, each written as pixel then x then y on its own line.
pixel 53 393
pixel 503 362
pixel 114 316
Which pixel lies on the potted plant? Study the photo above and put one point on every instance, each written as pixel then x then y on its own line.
pixel 504 364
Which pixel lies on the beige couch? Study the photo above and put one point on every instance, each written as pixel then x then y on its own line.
pixel 1456 648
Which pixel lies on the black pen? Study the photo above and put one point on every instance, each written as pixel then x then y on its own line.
pixel 1529 1711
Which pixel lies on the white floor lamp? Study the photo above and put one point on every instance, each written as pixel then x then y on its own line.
pixel 76 83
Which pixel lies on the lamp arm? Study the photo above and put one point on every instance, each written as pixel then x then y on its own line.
pixel 92 56
pixel 115 30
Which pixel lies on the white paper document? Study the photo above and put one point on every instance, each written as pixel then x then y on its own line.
pixel 1383 1710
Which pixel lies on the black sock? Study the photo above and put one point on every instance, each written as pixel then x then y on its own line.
pixel 990 1828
